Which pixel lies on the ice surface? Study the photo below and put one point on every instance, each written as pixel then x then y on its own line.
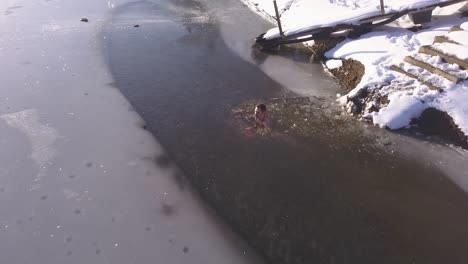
pixel 77 179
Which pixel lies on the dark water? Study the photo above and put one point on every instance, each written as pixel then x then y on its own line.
pixel 332 197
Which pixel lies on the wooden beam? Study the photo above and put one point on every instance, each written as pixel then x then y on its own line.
pixel 455 28
pixel 428 84
pixel 448 58
pixel 278 19
pixel 432 69
pixel 444 39
pixel 380 17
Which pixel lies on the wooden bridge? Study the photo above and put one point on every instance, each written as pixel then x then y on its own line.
pixel 418 15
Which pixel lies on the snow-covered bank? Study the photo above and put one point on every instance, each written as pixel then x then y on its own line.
pixel 387 46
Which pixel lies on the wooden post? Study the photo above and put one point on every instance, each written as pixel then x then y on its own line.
pixel 278 19
pixel 382 7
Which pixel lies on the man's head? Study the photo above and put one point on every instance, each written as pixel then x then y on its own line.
pixel 260 111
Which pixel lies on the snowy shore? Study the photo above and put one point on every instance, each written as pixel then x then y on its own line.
pixel 385 48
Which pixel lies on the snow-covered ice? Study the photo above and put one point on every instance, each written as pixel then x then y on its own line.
pixel 77 177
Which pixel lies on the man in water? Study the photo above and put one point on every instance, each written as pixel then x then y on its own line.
pixel 262 121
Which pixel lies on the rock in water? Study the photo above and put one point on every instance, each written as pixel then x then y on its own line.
pixel 84 19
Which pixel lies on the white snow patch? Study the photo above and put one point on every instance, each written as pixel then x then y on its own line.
pixel 399 112
pixel 453 101
pixel 458 36
pixel 334 64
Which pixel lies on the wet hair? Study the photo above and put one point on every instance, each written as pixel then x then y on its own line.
pixel 261 107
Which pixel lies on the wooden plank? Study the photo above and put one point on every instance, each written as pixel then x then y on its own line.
pixel 458 37
pixel 444 4
pixel 376 18
pixel 443 39
pixel 448 58
pixel 455 28
pixel 432 69
pixel 428 84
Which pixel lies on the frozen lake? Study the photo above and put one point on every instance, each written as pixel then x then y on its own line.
pixel 83 181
